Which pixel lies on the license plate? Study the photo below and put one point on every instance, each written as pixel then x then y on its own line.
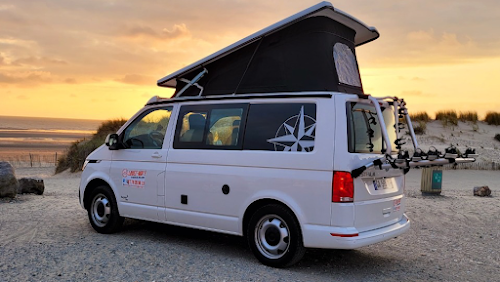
pixel 382 184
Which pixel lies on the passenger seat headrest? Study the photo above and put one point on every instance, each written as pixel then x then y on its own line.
pixel 196 121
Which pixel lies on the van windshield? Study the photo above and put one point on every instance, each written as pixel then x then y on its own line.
pixel 364 131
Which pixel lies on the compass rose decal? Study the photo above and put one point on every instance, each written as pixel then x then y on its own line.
pixel 296 134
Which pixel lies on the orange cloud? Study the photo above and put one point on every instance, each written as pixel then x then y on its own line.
pixel 136 79
pixel 38 61
pixel 413 93
pixel 137 31
pixel 27 79
pixel 427 48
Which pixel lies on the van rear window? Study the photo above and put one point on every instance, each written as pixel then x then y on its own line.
pixel 281 127
pixel 364 128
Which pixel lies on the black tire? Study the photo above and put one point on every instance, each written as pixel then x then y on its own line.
pixel 103 211
pixel 274 236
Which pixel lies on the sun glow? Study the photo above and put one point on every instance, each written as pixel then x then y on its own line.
pixel 472 86
pixel 56 63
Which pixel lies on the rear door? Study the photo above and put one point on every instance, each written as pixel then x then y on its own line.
pixel 378 194
pixel 378 199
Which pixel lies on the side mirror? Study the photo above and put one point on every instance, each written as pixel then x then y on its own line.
pixel 112 141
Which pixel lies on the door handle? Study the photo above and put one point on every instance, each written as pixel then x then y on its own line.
pixel 156 155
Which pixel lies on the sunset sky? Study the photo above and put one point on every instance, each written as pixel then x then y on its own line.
pixel 100 59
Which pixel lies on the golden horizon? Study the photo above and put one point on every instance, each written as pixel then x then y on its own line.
pixel 52 65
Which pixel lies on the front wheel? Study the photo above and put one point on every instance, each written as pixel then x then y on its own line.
pixel 103 211
pixel 274 236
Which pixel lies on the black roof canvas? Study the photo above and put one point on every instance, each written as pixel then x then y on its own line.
pixel 294 55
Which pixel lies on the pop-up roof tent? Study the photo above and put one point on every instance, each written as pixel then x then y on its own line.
pixel 310 51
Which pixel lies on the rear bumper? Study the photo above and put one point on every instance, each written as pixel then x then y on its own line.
pixel 317 236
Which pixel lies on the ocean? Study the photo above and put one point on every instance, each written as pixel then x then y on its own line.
pixel 24 138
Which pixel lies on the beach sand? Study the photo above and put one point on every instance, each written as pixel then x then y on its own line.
pixel 453 237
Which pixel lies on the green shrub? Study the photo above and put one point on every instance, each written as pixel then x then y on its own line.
pixel 447 117
pixel 108 127
pixel 468 116
pixel 492 118
pixel 420 116
pixel 421 128
pixel 80 149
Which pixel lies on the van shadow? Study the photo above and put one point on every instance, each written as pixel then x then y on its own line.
pixel 205 241
pixel 318 261
pixel 350 262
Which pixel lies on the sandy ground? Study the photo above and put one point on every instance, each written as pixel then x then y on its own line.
pixel 479 136
pixel 454 237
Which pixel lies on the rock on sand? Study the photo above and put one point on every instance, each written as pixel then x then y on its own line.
pixel 31 185
pixel 8 180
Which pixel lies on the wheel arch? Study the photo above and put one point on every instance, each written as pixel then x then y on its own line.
pixel 254 206
pixel 91 186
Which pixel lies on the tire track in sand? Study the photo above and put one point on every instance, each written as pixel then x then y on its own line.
pixel 14 235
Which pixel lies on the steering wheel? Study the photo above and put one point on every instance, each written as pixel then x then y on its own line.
pixel 131 142
pixel 157 138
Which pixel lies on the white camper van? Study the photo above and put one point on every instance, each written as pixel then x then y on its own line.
pixel 271 138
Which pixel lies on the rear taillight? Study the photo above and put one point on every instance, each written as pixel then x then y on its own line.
pixel 342 187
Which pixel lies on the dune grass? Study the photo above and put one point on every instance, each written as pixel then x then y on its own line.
pixel 492 118
pixel 468 116
pixel 447 117
pixel 420 128
pixel 420 116
pixel 75 155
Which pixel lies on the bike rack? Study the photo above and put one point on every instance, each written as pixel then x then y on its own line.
pixel 388 161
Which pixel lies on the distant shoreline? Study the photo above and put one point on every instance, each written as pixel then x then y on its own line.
pixel 20 143
pixel 29 138
pixel 53 118
pixel 39 134
pixel 28 148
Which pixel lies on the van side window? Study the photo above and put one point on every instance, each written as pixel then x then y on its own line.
pixel 364 128
pixel 148 130
pixel 224 128
pixel 281 127
pixel 193 126
pixel 210 127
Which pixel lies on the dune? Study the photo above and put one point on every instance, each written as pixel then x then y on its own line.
pixel 479 136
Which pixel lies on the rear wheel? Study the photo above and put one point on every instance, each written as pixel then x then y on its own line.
pixel 103 211
pixel 274 236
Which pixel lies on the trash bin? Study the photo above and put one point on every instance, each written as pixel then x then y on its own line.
pixel 432 178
